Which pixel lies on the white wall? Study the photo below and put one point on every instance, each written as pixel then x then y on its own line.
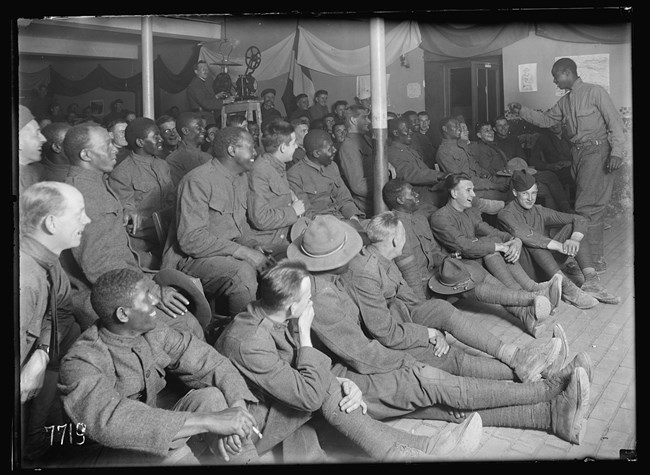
pixel 543 51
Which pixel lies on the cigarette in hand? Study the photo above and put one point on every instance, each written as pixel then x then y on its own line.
pixel 259 434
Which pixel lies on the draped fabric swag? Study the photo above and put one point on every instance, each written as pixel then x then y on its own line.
pixel 100 78
pixel 439 42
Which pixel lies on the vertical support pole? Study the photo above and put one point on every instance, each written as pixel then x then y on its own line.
pixel 379 109
pixel 147 68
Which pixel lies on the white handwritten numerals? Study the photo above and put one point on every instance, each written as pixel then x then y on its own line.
pixel 76 434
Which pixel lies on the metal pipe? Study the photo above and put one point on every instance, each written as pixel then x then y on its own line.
pixel 147 68
pixel 379 109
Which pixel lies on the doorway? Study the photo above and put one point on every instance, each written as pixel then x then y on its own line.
pixel 472 88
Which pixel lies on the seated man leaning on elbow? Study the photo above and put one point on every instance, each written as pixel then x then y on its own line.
pixel 113 375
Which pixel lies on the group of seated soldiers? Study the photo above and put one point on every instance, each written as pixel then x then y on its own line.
pixel 218 294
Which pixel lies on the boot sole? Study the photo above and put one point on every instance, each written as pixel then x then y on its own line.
pixel 582 403
pixel 545 363
pixel 607 300
pixel 470 435
pixel 555 292
pixel 543 307
pixel 588 365
pixel 561 360
pixel 575 304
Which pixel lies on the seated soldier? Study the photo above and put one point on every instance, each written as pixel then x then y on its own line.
pixel 213 240
pixel 30 144
pixel 167 126
pixel 338 109
pixel 488 155
pixel 422 260
pixel 530 223
pixel 302 104
pixel 300 127
pixel 287 371
pixel 460 229
pixel 409 166
pixel 210 132
pixel 420 142
pixel 455 156
pixel 105 243
pixel 317 182
pixel 552 151
pixel 392 314
pixel 269 112
pixel 116 129
pixel 54 163
pixel 272 206
pixel 254 129
pixel 52 219
pixel 555 196
pixel 356 158
pixel 188 155
pixel 319 108
pixel 143 184
pixel 394 383
pixel 112 378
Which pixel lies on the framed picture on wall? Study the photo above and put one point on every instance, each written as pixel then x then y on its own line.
pixel 97 107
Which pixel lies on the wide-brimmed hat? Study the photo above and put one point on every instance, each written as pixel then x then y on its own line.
pixel 299 227
pixel 452 277
pixel 518 163
pixel 182 282
pixel 326 244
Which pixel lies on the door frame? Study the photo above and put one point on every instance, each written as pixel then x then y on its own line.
pixel 474 64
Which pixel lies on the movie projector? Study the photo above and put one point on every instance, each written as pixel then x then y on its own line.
pixel 246 85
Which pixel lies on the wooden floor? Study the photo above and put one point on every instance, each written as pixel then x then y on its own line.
pixel 606 332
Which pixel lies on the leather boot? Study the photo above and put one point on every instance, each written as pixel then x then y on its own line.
pixel 553 291
pixel 530 362
pixel 563 355
pixel 581 360
pixel 593 287
pixel 532 316
pixel 569 409
pixel 576 297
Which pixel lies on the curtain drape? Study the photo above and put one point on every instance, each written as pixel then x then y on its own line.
pixel 614 33
pixel 441 42
pixel 99 77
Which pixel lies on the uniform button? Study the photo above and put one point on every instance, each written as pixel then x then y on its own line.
pixel 148 373
pixel 281 236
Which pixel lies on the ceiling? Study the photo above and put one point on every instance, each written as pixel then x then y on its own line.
pixel 117 37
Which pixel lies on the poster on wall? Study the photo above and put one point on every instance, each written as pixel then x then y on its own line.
pixel 363 87
pixel 592 68
pixel 528 77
